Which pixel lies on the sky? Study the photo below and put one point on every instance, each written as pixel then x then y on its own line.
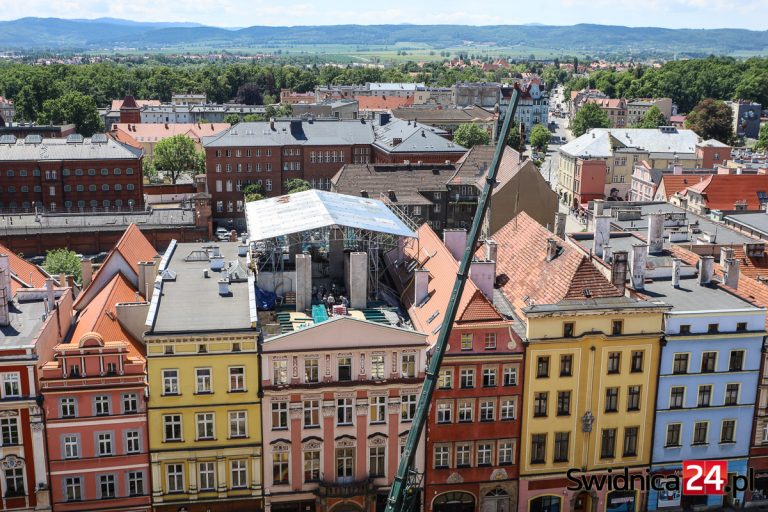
pixel 750 14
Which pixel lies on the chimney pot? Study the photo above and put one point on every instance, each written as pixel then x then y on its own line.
pixel 619 270
pixel 731 274
pixel 706 266
pixel 676 272
pixel 491 250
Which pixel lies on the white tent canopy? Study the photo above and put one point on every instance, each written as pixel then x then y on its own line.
pixel 315 209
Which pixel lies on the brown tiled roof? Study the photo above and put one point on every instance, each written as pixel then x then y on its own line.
pixel 473 166
pixel 432 114
pixel 135 134
pixel 527 277
pixel 673 183
pixel 722 191
pixel 23 271
pixel 382 103
pixel 406 181
pixel 117 104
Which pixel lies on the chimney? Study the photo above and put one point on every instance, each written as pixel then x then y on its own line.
pixel 147 275
pixel 5 290
pixel 602 234
pixel 619 270
pixel 607 253
pixel 676 272
pixel 491 250
pixel 483 274
pixel 50 295
pixel 731 273
pixel 358 280
pixel 62 279
pixel 456 242
pixel 242 250
pixel 551 249
pixel 87 270
pixel 677 170
pixel 272 123
pixel 224 286
pixel 303 282
pixel 638 266
pixel 597 207
pixel 215 250
pixel 726 253
pixel 706 266
pixel 132 316
pixel 420 285
pixel 655 233
pixel 560 225
pixel 217 262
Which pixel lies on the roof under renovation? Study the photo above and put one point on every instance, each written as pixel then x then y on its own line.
pixel 315 209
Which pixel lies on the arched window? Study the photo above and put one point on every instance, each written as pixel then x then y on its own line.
pixel 455 501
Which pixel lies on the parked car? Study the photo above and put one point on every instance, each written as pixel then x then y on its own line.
pixel 222 234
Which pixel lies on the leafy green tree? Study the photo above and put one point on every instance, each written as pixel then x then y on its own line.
pixel 762 139
pixel 176 156
pixel 253 118
pixel 148 169
pixel 471 134
pixel 253 192
pixel 232 118
pixel 297 185
pixel 73 107
pixel 515 138
pixel 540 137
pixel 589 116
pixel 62 261
pixel 653 118
pixel 711 119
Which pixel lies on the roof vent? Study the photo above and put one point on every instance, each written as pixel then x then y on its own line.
pixel 224 287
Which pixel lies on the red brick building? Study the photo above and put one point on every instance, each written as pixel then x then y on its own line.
pixel 72 174
pixel 473 432
pixel 270 153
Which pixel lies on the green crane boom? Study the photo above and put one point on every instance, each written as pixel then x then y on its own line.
pixel 405 488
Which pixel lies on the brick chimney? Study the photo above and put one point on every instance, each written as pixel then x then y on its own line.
pixel 619 270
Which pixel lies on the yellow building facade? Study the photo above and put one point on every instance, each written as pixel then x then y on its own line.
pixel 589 390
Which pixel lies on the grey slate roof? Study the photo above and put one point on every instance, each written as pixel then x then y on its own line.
pixel 598 143
pixel 295 132
pixel 414 138
pixel 406 181
pixel 62 149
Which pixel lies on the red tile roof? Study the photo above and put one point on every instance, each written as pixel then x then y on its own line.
pixel 135 134
pixel 528 278
pixel 382 103
pixel 134 247
pixel 673 183
pixel 722 191
pixel 23 272
pixel 117 104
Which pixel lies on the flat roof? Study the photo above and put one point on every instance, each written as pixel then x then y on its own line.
pixel 314 209
pixel 26 321
pixel 757 220
pixel 691 296
pixel 191 303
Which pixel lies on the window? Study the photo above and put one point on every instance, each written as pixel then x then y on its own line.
pixel 611 399
pixel 736 361
pixel 490 341
pixel 71 446
pixel 445 379
pixel 713 328
pixel 345 368
pixel 741 326
pixel 633 398
pixel 344 411
pixel 378 406
pixel 540 404
pixel 487 410
pixel 510 376
pixel 731 394
pixel 175 476
pixel 279 415
pixel 673 435
pixel 563 403
pixel 170 382
pixel 408 366
pixel 106 486
pixel 507 409
pixel 279 372
pixel 676 396
pixel 466 341
pixel 238 470
pixel 685 329
pixel 104 444
pixel 637 361
pixel 376 461
pixel 708 362
pixel 311 413
pixel 542 367
pixel 700 431
pixel 617 326
pixel 73 489
pixel 311 466
pixel 566 365
pixel 238 421
pixel 311 370
pixel 207 476
pixel 538 448
pixel 135 483
pixel 608 443
pixel 67 407
pixel 467 378
pixel 705 396
pixel 568 330
pixel 484 454
pixel 506 453
pixel 11 385
pixel 407 407
pixel 561 446
pixel 489 377
pixel 132 442
pixel 441 456
pixel 130 403
pixel 614 362
pixel 345 464
pixel 203 378
pixel 680 363
pixel 377 367
pixel 204 422
pixel 728 431
pixel 444 410
pixel 172 425
pixel 630 441
pixel 465 412
pixel 10 431
pixel 280 468
pixel 236 379
pixel 463 455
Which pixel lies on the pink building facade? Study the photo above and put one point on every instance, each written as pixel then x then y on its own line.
pixel 338 401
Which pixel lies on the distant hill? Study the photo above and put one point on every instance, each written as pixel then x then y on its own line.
pixel 106 33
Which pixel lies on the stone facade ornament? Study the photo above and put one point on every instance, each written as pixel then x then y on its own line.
pixel 11 462
pixel 499 474
pixel 454 478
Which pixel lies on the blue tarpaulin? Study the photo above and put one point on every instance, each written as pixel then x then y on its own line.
pixel 265 300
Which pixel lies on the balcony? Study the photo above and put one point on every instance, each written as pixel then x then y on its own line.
pixel 345 490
